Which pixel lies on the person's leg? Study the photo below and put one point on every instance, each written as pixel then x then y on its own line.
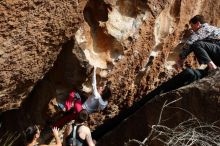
pixel 69 101
pixel 207 53
pixel 185 77
pixel 77 105
pixel 61 106
pixel 65 119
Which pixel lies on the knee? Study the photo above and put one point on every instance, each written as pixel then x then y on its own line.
pixel 197 45
pixel 190 74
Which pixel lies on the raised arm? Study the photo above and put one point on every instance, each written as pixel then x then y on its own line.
pixel 57 138
pixel 94 87
pixel 56 135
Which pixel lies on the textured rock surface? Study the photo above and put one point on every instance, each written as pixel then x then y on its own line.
pixel 48 48
pixel 31 36
pixel 202 102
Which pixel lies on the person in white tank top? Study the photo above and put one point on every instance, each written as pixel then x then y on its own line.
pixel 98 100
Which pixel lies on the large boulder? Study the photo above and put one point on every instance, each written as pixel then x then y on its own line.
pixel 31 37
pixel 192 101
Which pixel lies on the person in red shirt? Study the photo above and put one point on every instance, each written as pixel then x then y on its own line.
pixel 73 105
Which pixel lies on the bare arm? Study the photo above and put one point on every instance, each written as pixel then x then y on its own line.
pixel 94 79
pixel 66 133
pixel 56 135
pixel 89 138
pixel 94 87
pixel 57 138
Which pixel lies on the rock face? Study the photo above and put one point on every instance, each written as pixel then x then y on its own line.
pixel 48 48
pixel 31 37
pixel 194 100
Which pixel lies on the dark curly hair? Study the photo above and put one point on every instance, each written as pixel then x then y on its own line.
pixel 30 133
pixel 82 116
pixel 197 18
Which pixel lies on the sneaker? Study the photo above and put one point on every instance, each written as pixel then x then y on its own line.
pixel 77 96
pixel 212 66
pixel 61 106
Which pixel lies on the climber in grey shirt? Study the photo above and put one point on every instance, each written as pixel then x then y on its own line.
pixel 98 100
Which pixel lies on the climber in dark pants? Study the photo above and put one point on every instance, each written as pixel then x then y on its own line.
pixel 207 52
pixel 185 77
pixel 204 42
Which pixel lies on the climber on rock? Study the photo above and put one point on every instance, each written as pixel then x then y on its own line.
pixel 204 42
pixel 99 98
pixel 71 107
pixel 73 102
pixel 97 101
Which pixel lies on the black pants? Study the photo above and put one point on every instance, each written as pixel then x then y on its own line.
pixel 207 51
pixel 185 77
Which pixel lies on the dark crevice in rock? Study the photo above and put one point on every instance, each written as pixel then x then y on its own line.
pixel 96 10
pixel 70 67
pixel 131 8
pixel 175 10
pixel 69 72
pixel 12 127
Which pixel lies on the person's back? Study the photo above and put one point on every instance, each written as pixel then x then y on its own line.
pixel 78 134
pixel 93 104
pixel 82 135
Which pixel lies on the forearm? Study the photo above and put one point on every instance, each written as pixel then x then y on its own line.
pixel 56 135
pixel 94 80
pixel 90 142
pixel 94 76
pixel 58 141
